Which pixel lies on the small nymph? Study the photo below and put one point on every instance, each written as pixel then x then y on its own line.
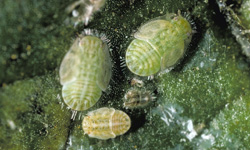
pixel 137 98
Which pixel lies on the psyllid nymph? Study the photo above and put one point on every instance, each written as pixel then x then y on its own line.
pixel 105 123
pixel 158 45
pixel 85 72
pixel 137 98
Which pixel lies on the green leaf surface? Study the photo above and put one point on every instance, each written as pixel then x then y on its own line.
pixel 202 103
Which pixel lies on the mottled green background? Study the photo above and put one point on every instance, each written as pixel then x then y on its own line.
pixel 208 92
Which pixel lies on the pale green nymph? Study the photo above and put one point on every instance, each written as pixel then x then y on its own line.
pixel 85 72
pixel 158 45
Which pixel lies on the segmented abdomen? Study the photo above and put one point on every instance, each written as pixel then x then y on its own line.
pixel 120 122
pixel 81 94
pixel 142 59
pixel 105 123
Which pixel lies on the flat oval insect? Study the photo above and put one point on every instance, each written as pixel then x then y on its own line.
pixel 85 72
pixel 137 98
pixel 158 45
pixel 105 123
